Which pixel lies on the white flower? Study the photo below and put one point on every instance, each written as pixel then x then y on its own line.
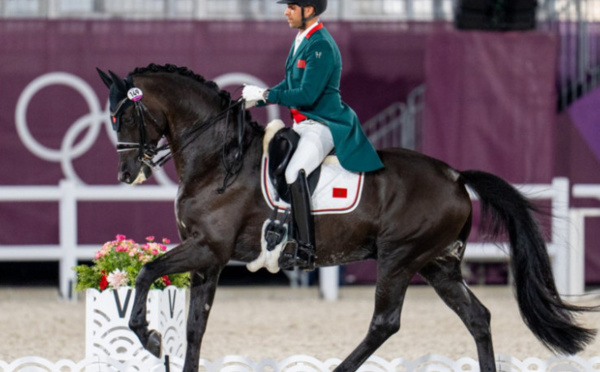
pixel 117 279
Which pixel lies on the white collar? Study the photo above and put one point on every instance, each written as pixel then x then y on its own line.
pixel 302 35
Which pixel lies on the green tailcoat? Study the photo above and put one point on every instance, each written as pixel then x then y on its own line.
pixel 312 86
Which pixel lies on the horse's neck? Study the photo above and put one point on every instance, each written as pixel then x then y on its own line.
pixel 213 151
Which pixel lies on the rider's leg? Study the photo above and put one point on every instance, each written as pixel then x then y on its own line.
pixel 302 245
pixel 315 143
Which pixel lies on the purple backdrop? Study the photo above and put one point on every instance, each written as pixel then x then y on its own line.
pixel 491 102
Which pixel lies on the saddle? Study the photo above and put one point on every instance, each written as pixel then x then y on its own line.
pixel 280 150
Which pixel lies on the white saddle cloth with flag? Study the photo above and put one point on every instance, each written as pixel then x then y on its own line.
pixel 337 191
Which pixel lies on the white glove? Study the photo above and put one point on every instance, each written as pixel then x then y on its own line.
pixel 252 95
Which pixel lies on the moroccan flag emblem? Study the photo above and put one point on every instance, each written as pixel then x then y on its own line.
pixel 301 63
pixel 339 192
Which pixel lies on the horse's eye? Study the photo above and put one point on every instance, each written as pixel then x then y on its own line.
pixel 127 119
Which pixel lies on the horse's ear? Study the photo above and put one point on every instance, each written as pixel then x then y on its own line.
pixel 107 80
pixel 118 81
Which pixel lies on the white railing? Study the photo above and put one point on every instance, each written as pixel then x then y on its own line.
pixel 306 363
pixel 577 229
pixel 68 251
pixel 567 263
pixel 399 124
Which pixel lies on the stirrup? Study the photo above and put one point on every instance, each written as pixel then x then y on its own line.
pixel 295 255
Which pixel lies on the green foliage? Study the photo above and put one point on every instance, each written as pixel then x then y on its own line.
pixel 118 263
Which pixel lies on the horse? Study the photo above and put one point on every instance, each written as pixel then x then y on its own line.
pixel 414 218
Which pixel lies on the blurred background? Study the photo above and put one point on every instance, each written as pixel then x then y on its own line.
pixel 505 86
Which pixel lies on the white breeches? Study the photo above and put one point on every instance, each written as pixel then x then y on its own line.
pixel 316 142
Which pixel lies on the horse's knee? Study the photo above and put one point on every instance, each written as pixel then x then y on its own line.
pixel 383 328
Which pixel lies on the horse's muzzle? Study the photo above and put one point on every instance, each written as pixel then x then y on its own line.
pixel 143 174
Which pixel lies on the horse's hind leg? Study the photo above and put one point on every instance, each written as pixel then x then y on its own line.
pixel 445 277
pixel 389 297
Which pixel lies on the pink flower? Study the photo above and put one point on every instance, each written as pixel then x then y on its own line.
pixel 150 238
pixel 117 279
pixel 120 237
pixel 163 247
pixel 166 241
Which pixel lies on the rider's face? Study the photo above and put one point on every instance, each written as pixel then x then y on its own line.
pixel 293 14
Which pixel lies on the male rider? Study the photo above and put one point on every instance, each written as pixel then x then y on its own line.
pixel 311 91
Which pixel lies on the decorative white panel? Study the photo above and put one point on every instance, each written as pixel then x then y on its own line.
pixel 108 334
pixel 303 363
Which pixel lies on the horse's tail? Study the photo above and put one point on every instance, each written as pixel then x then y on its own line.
pixel 550 319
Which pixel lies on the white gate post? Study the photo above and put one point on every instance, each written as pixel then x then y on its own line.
pixel 561 265
pixel 67 238
pixel 329 278
pixel 577 252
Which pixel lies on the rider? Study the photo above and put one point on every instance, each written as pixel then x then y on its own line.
pixel 311 91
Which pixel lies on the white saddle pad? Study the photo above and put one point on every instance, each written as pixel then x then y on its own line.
pixel 338 190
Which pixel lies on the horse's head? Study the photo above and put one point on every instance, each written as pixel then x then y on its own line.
pixel 137 142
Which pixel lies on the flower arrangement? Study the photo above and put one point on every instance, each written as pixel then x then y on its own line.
pixel 118 263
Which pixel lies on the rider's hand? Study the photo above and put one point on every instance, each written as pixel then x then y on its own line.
pixel 252 95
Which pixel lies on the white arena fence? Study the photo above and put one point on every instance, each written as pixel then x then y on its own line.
pixel 303 363
pixel 566 246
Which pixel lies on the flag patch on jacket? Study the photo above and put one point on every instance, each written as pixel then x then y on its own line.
pixel 301 63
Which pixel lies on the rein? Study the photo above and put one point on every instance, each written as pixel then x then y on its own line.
pixel 147 151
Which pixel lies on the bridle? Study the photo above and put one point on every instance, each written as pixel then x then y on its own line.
pixel 147 151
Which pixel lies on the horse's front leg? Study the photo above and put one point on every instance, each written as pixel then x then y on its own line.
pixel 188 256
pixel 204 286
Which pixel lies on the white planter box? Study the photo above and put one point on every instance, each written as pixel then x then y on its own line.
pixel 107 332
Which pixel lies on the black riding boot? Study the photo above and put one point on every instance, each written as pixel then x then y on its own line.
pixel 299 250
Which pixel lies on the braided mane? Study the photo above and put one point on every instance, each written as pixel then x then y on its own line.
pixel 184 71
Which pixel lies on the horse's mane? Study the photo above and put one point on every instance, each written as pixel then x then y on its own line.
pixel 184 71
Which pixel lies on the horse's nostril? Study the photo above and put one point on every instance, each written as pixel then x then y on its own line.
pixel 124 177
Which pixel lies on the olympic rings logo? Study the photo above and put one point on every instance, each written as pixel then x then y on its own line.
pixel 93 121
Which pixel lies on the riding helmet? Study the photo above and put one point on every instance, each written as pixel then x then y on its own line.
pixel 320 5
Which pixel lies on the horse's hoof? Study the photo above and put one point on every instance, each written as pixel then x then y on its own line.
pixel 154 344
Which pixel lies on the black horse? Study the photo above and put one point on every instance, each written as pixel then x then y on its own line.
pixel 414 218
